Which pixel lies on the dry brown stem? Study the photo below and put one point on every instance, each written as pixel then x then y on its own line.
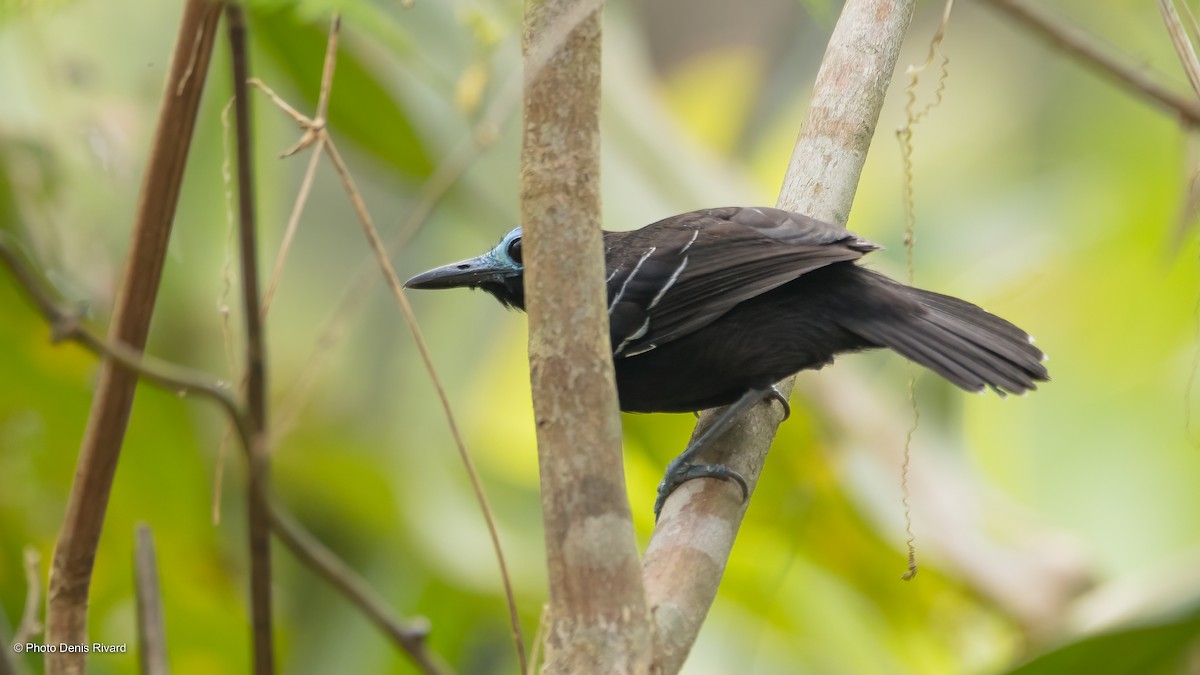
pixel 1090 53
pixel 258 510
pixel 75 551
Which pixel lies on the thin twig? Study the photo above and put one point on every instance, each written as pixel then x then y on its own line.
pixel 176 378
pixel 1183 37
pixel 151 624
pixel 445 175
pixel 382 259
pixel 397 288
pixel 29 625
pixel 258 511
pixel 67 326
pixel 223 303
pixel 75 550
pixel 293 223
pixel 410 635
pixel 1085 48
pixel 432 191
pixel 539 636
pixel 311 171
pixel 1179 38
pixel 331 47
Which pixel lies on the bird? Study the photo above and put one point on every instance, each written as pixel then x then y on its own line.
pixel 711 308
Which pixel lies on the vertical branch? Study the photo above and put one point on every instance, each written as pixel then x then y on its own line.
pixel 75 551
pixel 598 616
pixel 688 551
pixel 256 385
pixel 152 632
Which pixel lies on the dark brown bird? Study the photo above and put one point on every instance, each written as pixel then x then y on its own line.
pixel 713 307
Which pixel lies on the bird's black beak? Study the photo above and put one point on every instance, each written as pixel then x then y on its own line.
pixel 467 273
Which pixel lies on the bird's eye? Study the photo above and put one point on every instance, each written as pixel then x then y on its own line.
pixel 514 250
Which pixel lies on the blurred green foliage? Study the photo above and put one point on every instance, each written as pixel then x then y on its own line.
pixel 1066 523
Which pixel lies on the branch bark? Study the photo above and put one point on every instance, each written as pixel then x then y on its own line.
pixel 598 616
pixel 75 551
pixel 690 546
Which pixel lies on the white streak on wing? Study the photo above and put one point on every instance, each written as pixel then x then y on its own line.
pixel 636 334
pixel 642 350
pixel 758 211
pixel 638 266
pixel 667 286
pixel 614 273
pixel 695 233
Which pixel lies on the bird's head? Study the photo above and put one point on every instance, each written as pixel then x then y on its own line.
pixel 499 272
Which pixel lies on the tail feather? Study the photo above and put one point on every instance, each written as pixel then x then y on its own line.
pixel 959 341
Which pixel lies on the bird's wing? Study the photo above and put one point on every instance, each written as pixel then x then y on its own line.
pixel 678 275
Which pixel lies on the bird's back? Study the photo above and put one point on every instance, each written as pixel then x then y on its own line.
pixel 678 275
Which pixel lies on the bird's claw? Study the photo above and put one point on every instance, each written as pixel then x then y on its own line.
pixel 777 395
pixel 679 475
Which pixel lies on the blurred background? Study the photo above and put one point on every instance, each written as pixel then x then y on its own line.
pixel 1066 519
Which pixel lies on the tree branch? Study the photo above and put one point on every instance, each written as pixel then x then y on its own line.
pixel 175 378
pixel 690 546
pixel 598 615
pixel 1084 47
pixel 258 511
pixel 409 635
pixel 75 551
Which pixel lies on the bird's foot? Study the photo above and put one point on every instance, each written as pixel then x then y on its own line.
pixel 680 474
pixel 775 394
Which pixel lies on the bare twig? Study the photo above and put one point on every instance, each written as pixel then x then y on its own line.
pixel 445 175
pixel 539 636
pixel 151 625
pixel 1085 48
pixel 397 289
pixel 1182 36
pixel 379 250
pixel 258 511
pixel 175 378
pixel 29 625
pixel 1179 37
pixel 688 551
pixel 67 326
pixel 223 303
pixel 409 635
pixel 310 172
pixel 75 551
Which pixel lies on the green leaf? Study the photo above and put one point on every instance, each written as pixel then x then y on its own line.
pixel 1136 650
pixel 360 108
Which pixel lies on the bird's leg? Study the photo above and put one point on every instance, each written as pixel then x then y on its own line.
pixel 681 469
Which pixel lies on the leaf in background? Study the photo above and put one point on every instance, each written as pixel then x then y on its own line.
pixel 360 107
pixel 1154 648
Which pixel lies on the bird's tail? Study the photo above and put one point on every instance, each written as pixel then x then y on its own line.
pixel 957 340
